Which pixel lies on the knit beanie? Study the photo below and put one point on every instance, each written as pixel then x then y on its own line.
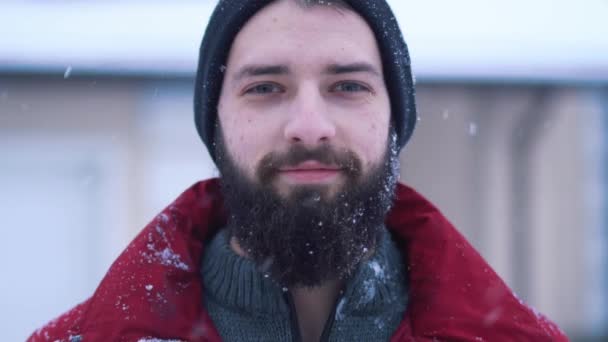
pixel 230 16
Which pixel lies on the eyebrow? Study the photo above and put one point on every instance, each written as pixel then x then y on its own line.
pixel 261 70
pixel 282 69
pixel 337 69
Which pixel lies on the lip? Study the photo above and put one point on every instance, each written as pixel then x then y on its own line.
pixel 310 165
pixel 310 172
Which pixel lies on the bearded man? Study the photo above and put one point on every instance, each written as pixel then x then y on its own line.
pixel 307 235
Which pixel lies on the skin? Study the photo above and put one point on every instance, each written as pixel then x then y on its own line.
pixel 306 104
pixel 310 77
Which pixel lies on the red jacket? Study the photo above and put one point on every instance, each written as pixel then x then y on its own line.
pixel 153 289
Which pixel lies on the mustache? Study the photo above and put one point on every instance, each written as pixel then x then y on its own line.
pixel 271 163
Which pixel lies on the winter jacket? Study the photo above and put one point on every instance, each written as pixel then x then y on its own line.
pixel 154 289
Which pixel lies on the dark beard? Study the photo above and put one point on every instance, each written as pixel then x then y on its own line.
pixel 307 238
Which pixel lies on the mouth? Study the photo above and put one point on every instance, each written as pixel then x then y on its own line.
pixel 310 172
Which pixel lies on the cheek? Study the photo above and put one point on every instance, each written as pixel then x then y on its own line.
pixel 239 142
pixel 369 137
pixel 246 138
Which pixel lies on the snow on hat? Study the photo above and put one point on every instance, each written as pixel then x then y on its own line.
pixel 230 16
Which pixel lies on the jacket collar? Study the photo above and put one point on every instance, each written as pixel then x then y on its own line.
pixel 154 288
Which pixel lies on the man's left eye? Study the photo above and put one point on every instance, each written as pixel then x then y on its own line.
pixel 350 87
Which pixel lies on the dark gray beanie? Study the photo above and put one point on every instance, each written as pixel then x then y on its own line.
pixel 230 16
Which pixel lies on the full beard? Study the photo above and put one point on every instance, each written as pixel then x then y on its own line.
pixel 308 236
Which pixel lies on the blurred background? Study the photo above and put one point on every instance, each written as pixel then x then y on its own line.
pixel 97 136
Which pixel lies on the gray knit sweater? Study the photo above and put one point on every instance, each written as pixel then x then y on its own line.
pixel 246 306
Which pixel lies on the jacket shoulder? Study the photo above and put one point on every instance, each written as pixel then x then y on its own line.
pixel 454 294
pixel 155 281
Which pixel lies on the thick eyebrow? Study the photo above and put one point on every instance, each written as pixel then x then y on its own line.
pixel 336 69
pixel 260 70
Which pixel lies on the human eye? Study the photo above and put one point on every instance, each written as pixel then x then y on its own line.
pixel 263 89
pixel 350 87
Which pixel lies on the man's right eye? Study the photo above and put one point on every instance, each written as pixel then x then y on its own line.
pixel 264 88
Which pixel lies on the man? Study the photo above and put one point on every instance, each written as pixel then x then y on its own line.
pixel 307 236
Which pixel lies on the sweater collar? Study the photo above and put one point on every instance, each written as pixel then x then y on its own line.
pixel 235 282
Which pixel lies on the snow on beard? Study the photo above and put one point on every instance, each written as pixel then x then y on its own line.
pixel 307 237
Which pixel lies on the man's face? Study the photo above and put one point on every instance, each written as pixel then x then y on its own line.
pixel 308 169
pixel 305 79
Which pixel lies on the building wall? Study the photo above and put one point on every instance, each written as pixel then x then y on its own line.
pixel 508 166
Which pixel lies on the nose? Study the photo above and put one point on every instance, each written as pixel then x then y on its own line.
pixel 309 122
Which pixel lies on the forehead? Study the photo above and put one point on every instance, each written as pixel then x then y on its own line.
pixel 287 32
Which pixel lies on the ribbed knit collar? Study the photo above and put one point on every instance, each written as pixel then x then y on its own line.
pixel 235 282
pixel 378 283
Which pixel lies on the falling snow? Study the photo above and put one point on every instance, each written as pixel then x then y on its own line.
pixel 68 72
pixel 473 129
pixel 445 114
